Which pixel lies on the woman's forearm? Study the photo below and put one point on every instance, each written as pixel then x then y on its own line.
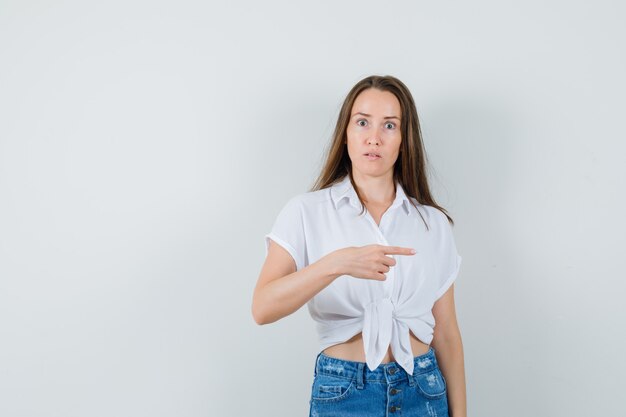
pixel 282 296
pixel 450 359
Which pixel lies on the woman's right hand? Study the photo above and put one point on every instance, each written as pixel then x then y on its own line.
pixel 368 262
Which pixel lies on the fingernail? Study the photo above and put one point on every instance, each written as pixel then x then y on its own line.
pixel 412 250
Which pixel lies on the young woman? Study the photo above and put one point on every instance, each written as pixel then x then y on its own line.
pixel 374 258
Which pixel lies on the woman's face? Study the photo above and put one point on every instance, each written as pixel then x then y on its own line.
pixel 374 127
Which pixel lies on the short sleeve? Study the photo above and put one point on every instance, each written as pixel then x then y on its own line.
pixel 450 260
pixel 288 232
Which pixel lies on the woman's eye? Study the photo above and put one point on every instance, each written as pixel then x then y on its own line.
pixel 359 122
pixel 391 124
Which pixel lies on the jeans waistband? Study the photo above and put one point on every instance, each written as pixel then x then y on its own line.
pixel 389 372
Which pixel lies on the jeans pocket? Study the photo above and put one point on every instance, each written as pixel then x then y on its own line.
pixel 327 388
pixel 431 384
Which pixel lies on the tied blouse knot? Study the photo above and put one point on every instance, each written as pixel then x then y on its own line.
pixel 314 224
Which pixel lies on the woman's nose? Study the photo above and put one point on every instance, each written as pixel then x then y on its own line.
pixel 374 137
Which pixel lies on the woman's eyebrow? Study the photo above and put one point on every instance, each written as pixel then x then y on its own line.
pixel 369 115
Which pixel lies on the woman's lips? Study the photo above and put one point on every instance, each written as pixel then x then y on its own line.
pixel 372 157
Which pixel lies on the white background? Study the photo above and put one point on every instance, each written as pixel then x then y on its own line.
pixel 146 148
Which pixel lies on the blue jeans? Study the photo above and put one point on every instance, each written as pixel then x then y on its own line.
pixel 344 388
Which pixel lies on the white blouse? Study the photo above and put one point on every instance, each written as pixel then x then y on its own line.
pixel 315 223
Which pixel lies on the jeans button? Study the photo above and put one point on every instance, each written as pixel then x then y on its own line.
pixel 393 391
pixel 392 370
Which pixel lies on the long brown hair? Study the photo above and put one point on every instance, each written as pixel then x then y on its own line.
pixel 410 168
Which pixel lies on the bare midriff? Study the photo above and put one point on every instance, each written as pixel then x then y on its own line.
pixel 352 349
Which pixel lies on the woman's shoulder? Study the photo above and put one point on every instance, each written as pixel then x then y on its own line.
pixel 310 199
pixel 426 210
pixel 431 214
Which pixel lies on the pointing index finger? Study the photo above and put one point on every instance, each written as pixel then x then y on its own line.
pixel 398 250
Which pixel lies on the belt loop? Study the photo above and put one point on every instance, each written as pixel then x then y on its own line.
pixel 359 375
pixel 411 379
pixel 317 359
